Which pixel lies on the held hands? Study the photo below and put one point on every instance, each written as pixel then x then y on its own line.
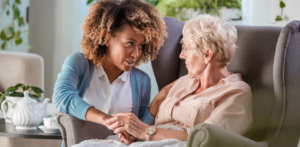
pixel 114 122
pixel 128 123
pixel 128 126
pixel 126 138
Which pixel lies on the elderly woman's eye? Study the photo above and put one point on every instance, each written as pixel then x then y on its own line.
pixel 129 43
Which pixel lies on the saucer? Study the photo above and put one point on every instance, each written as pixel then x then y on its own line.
pixel 48 130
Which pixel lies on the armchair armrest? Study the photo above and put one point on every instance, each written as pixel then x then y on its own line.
pixel 75 130
pixel 208 135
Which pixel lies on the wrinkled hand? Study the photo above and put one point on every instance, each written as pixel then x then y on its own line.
pixel 131 124
pixel 126 138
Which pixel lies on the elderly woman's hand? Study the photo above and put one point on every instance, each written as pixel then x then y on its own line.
pixel 126 138
pixel 127 122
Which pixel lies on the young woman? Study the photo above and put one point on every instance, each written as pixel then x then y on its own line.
pixel 103 80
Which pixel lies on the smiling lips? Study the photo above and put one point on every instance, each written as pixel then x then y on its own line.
pixel 130 63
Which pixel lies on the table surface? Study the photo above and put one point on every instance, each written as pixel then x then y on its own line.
pixel 9 130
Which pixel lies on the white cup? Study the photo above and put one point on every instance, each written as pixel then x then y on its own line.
pixel 50 122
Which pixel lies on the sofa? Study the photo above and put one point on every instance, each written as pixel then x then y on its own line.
pixel 267 57
pixel 27 68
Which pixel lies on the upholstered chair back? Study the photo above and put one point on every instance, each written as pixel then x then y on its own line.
pixel 286 78
pixel 26 68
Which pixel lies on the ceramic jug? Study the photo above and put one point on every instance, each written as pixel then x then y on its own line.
pixel 26 113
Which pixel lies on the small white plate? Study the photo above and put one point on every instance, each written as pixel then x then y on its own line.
pixel 48 130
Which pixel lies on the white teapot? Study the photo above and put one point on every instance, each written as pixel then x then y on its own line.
pixel 26 113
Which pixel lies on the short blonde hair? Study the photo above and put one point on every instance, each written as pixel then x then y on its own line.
pixel 211 32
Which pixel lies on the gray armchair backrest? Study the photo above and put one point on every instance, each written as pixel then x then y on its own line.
pixel 287 89
pixel 253 59
pixel 167 66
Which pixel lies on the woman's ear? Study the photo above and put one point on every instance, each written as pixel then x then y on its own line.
pixel 208 54
pixel 107 42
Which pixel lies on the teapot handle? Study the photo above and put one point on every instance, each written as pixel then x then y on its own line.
pixel 3 109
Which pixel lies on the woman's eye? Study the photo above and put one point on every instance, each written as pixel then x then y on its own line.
pixel 129 43
pixel 141 46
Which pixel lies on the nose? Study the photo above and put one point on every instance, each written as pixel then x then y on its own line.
pixel 136 52
pixel 181 55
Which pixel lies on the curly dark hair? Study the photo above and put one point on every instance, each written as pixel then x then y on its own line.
pixel 108 16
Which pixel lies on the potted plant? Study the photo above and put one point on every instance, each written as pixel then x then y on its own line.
pixel 12 93
pixel 13 34
pixel 187 9
pixel 279 17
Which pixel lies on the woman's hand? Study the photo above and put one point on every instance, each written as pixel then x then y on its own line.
pixel 127 122
pixel 126 138
pixel 159 98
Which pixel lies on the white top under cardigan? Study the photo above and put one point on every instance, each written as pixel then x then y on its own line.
pixel 109 98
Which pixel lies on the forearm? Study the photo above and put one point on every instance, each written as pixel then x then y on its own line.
pixel 97 116
pixel 159 98
pixel 162 134
pixel 153 108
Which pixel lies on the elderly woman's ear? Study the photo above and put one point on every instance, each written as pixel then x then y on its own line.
pixel 208 55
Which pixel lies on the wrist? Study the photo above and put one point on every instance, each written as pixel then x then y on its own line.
pixel 143 133
pixel 104 118
pixel 149 132
pixel 97 116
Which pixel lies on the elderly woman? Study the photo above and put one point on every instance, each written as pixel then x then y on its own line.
pixel 103 80
pixel 208 94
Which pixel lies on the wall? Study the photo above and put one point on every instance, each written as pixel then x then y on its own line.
pixel 41 20
pixel 264 12
pixel 290 12
pixel 55 34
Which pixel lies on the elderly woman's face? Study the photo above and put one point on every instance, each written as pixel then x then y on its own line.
pixel 194 60
pixel 125 48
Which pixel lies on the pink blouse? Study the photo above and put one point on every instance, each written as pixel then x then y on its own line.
pixel 227 104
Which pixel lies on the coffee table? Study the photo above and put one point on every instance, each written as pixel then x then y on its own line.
pixel 9 130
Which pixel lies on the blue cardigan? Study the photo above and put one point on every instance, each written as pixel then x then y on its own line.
pixel 75 77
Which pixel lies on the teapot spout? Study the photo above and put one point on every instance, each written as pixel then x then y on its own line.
pixel 44 107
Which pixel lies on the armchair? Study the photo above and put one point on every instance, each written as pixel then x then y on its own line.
pixel 268 60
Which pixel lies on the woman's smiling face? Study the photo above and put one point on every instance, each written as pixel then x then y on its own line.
pixel 124 48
